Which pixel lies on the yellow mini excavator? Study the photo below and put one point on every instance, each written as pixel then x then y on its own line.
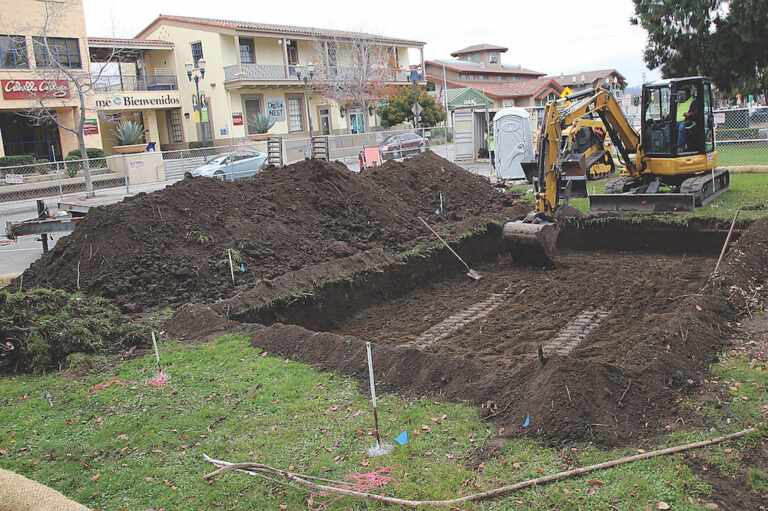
pixel 673 167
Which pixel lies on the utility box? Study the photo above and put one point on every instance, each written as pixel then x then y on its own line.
pixel 513 142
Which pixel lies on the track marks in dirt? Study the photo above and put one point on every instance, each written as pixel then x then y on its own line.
pixel 459 320
pixel 575 331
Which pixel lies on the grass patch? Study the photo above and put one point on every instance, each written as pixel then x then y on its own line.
pixel 745 190
pixel 748 153
pixel 146 445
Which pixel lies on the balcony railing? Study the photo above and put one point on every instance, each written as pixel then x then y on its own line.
pixel 115 83
pixel 256 72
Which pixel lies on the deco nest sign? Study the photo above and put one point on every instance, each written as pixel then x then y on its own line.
pixel 43 89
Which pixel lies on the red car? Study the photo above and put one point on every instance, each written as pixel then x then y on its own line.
pixel 400 146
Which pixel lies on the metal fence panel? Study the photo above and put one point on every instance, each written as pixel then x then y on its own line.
pixel 741 136
pixel 37 179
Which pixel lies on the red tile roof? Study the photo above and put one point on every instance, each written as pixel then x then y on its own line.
pixel 110 42
pixel 589 77
pixel 479 47
pixel 535 87
pixel 478 68
pixel 278 29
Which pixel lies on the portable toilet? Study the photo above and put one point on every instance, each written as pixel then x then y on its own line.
pixel 513 143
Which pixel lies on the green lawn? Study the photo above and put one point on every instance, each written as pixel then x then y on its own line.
pixel 755 153
pixel 746 190
pixel 136 448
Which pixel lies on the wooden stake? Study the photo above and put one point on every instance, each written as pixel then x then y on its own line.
pixel 231 270
pixel 727 240
pixel 157 353
pixel 373 394
pixel 78 274
pixel 303 480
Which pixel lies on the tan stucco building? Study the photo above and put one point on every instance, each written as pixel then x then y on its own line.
pixel 254 68
pixel 27 72
pixel 250 68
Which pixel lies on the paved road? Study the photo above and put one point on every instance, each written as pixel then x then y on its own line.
pixel 16 257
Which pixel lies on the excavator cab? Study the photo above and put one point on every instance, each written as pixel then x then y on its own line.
pixel 677 118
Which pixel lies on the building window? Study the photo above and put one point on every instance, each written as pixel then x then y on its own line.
pixel 473 57
pixel 500 78
pixel 197 53
pixel 13 52
pixel 247 51
pixel 494 57
pixel 252 107
pixel 293 53
pixel 550 97
pixel 471 77
pixel 481 77
pixel 295 115
pixel 52 51
pixel 174 125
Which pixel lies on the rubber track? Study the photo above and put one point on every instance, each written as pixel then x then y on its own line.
pixel 574 332
pixel 457 321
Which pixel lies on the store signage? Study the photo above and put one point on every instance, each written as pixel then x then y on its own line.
pixel 128 101
pixel 720 118
pixel 25 89
pixel 91 127
pixel 136 164
pixel 14 179
pixel 276 109
pixel 237 119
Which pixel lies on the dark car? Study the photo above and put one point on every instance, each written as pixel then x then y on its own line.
pixel 400 146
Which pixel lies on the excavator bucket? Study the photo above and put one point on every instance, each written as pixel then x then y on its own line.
pixel 643 202
pixel 531 242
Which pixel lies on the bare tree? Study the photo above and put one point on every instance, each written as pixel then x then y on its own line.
pixel 60 77
pixel 357 68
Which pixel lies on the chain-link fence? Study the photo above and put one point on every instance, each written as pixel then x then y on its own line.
pixel 37 178
pixel 32 178
pixel 741 137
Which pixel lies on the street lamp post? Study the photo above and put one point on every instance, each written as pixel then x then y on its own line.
pixel 308 71
pixel 196 78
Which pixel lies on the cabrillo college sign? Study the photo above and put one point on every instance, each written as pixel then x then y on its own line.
pixel 140 100
pixel 26 89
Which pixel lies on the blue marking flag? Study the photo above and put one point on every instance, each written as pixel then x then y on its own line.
pixel 402 438
pixel 527 420
pixel 242 267
pixel 437 211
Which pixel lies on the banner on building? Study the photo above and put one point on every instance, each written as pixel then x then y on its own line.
pixel 276 109
pixel 237 119
pixel 25 89
pixel 90 127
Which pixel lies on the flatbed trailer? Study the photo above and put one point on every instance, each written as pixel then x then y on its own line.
pixel 45 224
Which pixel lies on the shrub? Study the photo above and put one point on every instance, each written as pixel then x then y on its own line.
pixel 42 166
pixel 261 122
pixel 197 144
pixel 22 161
pixel 92 152
pixel 45 328
pixel 129 133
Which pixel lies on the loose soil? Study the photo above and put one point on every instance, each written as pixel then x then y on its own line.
pixel 666 320
pixel 170 247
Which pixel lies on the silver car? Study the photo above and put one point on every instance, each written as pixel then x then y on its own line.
pixel 231 166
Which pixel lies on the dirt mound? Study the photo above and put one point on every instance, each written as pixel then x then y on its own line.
pixel 171 246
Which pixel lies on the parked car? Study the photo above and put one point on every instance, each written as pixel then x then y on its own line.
pixel 230 166
pixel 759 115
pixel 399 146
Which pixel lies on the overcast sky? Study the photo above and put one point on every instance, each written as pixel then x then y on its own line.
pixel 551 36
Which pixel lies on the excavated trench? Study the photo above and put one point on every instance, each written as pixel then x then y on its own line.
pixel 597 347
